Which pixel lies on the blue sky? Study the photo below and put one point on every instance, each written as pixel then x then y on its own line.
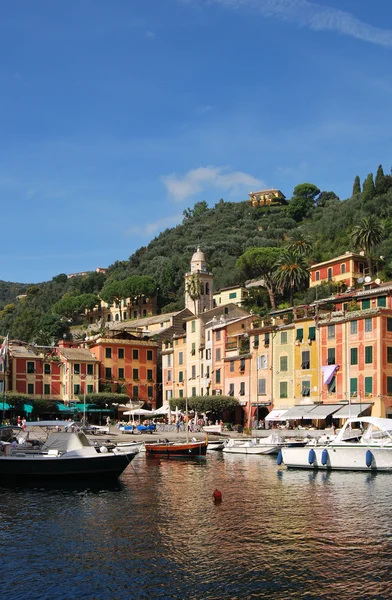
pixel 115 116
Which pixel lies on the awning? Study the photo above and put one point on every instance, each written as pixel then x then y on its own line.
pixel 321 411
pixel 4 405
pixel 276 415
pixel 299 412
pixel 28 408
pixel 328 373
pixel 350 411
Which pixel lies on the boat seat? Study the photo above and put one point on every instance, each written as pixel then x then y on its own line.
pixel 53 452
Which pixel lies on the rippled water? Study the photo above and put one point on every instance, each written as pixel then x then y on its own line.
pixel 157 534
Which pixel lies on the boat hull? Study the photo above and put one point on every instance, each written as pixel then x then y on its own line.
pixel 36 465
pixel 347 457
pixel 174 450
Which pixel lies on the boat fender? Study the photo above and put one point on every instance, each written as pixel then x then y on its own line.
pixel 103 449
pixel 217 495
pixel 324 457
pixel 279 459
pixel 311 457
pixel 369 458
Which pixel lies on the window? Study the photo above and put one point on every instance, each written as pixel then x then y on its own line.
pixel 108 353
pixel 267 338
pixel 368 325
pixel 150 391
pixel 361 267
pixel 332 386
pixel 136 391
pixel 218 335
pixel 76 389
pixel 109 317
pixel 90 369
pixel 76 369
pixel 343 268
pixel 262 387
pixel 331 331
pixel 353 327
pixel 382 301
pixel 283 389
pixel 283 363
pixel 218 354
pixel 30 367
pixel 193 375
pixel 368 355
pixel 353 386
pixel 181 393
pixel 218 376
pixel 180 358
pixel 242 364
pixel 47 369
pixel 242 388
pixel 121 353
pixel 90 389
pixel 149 374
pixel 181 376
pixel 329 273
pixel 169 394
pixel 305 360
pixel 135 374
pixel 193 326
pixel 108 373
pixel 193 391
pixel 232 366
pixel 317 275
pixel 300 335
pixel 331 359
pixel 312 334
pixel 231 389
pixel 262 362
pixel 305 388
pixel 389 354
pixel 256 341
pixel 121 373
pixel 354 356
pixel 368 386
pixel 149 354
pixel 366 303
pixel 389 324
pixel 232 295
pixel 168 360
pixel 135 354
pixel 389 386
pixel 208 354
pixel 283 337
pixel 193 349
pixel 47 389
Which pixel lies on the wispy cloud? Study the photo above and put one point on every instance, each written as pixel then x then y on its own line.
pixel 151 228
pixel 316 16
pixel 204 178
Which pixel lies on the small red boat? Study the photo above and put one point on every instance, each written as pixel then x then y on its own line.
pixel 177 449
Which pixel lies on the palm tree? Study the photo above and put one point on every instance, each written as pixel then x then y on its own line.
pixel 299 244
pixel 193 289
pixel 291 273
pixel 366 235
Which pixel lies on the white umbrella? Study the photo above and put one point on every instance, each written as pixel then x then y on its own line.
pixel 139 411
pixel 163 410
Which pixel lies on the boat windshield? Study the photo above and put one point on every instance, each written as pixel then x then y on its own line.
pixel 374 433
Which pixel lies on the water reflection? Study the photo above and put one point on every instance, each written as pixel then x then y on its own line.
pixel 158 534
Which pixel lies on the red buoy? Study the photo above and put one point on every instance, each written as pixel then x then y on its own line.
pixel 217 496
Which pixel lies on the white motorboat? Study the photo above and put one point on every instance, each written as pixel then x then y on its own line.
pixel 363 444
pixel 214 445
pixel 217 428
pixel 64 454
pixel 246 446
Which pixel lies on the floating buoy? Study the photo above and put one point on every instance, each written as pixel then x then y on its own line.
pixel 217 496
pixel 369 458
pixel 324 457
pixel 311 457
pixel 279 459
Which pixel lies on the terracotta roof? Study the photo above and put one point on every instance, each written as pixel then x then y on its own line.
pixel 81 354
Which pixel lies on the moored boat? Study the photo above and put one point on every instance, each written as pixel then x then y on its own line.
pixel 363 444
pixel 191 449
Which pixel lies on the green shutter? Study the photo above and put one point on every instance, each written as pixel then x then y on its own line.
pixel 283 389
pixel 300 334
pixel 353 385
pixel 382 301
pixel 312 333
pixel 368 354
pixel 365 303
pixel 283 363
pixel 369 385
pixel 354 356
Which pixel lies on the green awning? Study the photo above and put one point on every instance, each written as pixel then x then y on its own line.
pixel 27 408
pixel 4 406
pixel 63 408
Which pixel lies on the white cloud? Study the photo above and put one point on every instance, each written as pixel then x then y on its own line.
pixel 204 178
pixel 149 229
pixel 317 17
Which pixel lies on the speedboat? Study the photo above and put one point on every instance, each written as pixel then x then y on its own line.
pixel 363 444
pixel 245 446
pixel 62 454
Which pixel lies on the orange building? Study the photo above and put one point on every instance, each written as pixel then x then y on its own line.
pixel 347 269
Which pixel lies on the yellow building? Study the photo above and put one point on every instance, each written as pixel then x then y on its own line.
pixel 267 197
pixel 283 366
pixel 235 294
pixel 306 362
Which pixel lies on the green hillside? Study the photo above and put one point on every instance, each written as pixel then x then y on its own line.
pixel 317 223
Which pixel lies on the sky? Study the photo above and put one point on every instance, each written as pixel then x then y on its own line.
pixel 116 116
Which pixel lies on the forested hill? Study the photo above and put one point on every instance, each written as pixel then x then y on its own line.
pixel 224 233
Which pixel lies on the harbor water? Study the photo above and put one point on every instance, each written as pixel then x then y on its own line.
pixel 157 534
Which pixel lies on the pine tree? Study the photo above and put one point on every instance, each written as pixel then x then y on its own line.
pixel 368 190
pixel 380 183
pixel 357 186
